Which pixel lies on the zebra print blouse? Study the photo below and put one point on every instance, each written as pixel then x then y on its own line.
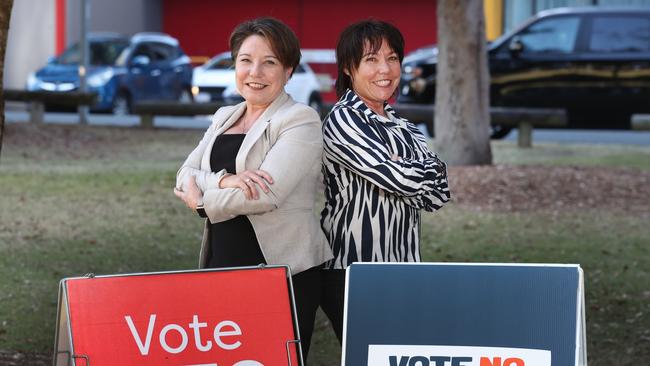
pixel 372 208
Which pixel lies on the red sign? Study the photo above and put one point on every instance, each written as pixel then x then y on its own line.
pixel 210 318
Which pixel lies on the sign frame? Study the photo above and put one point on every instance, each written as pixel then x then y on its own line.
pixel 63 338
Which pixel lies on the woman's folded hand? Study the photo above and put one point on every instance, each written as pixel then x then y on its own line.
pixel 248 181
pixel 190 193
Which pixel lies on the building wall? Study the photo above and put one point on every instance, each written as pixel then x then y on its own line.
pixel 493 18
pixel 30 42
pixel 122 16
pixel 203 27
pixel 324 20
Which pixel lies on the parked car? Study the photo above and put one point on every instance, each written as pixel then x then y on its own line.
pixel 122 71
pixel 215 81
pixel 594 62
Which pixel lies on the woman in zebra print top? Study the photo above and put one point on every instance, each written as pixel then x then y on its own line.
pixel 379 172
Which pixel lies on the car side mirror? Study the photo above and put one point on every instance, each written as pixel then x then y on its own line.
pixel 515 46
pixel 51 60
pixel 140 60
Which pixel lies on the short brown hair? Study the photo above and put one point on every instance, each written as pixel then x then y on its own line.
pixel 282 39
pixel 352 42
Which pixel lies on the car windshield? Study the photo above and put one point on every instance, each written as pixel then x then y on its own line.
pixel 421 53
pixel 220 62
pixel 101 53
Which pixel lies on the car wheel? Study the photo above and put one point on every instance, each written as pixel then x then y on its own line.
pixel 498 132
pixel 121 104
pixel 185 96
pixel 315 102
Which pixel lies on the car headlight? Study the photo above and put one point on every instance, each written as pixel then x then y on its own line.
pixel 231 95
pixel 100 78
pixel 33 82
pixel 231 92
pixel 413 71
pixel 418 85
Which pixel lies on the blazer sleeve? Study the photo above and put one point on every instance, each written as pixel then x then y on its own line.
pixel 297 149
pixel 192 165
pixel 351 142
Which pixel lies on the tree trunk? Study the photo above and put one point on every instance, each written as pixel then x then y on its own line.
pixel 462 113
pixel 5 16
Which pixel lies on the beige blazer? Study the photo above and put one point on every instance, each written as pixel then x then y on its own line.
pixel 286 141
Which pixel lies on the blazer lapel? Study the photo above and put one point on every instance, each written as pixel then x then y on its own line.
pixel 230 119
pixel 258 129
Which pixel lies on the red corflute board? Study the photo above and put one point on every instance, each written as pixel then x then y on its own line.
pixel 232 317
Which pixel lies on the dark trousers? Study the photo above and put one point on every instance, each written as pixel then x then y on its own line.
pixel 314 287
pixel 332 298
pixel 306 291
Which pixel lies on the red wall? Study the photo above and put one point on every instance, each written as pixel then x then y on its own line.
pixel 60 22
pixel 203 26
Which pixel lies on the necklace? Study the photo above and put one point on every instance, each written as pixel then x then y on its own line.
pixel 246 119
pixel 244 128
pixel 249 117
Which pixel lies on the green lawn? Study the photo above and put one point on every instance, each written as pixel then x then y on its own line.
pixel 100 200
pixel 566 154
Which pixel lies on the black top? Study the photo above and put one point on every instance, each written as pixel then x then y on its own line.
pixel 232 243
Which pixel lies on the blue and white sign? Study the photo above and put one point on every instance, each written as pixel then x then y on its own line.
pixel 459 314
pixel 399 355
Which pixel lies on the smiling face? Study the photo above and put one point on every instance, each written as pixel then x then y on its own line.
pixel 259 74
pixel 377 76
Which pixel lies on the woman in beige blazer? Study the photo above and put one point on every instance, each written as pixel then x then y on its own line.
pixel 255 173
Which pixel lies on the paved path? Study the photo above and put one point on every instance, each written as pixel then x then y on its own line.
pixel 201 122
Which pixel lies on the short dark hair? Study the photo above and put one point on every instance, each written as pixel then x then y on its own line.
pixel 352 42
pixel 282 39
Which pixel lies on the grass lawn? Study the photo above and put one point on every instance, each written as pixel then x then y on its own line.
pixel 100 200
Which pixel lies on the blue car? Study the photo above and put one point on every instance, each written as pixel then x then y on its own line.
pixel 123 71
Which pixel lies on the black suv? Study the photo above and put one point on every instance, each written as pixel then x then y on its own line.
pixel 594 62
